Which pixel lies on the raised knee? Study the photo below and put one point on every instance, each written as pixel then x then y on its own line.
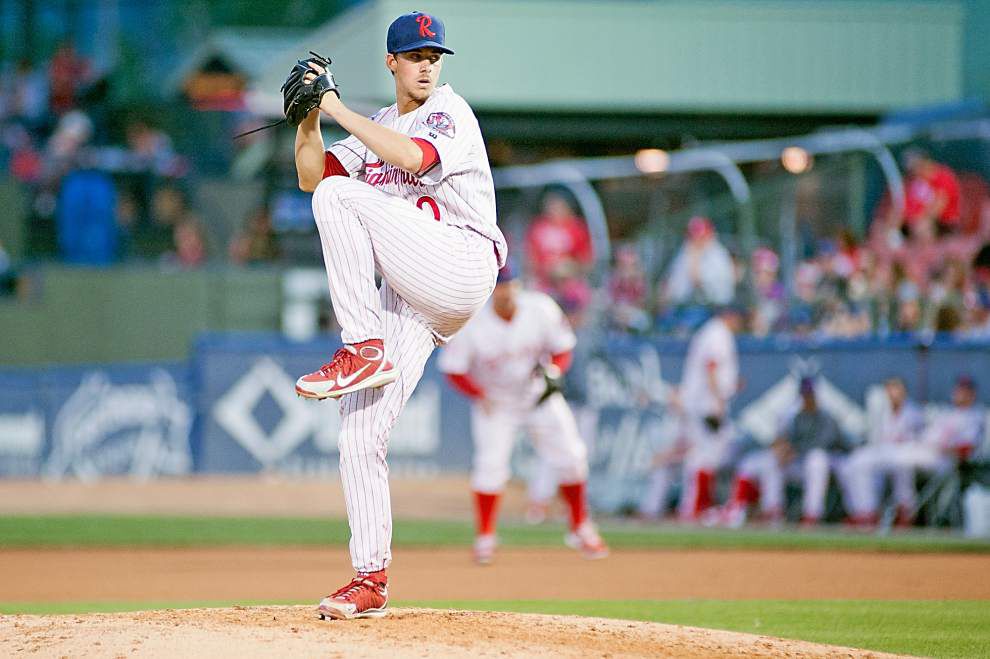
pixel 332 190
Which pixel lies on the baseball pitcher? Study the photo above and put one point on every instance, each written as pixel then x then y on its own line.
pixel 409 196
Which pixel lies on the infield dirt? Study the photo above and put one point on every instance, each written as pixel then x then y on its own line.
pixel 296 632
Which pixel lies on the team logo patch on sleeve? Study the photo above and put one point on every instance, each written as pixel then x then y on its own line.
pixel 441 123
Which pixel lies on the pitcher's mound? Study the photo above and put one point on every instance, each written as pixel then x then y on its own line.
pixel 295 631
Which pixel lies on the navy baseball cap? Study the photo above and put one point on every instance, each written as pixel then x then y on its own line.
pixel 507 273
pixel 416 30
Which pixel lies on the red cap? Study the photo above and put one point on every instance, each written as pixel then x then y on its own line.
pixel 700 227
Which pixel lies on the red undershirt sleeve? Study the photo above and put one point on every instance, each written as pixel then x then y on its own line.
pixel 562 360
pixel 430 155
pixel 332 166
pixel 463 383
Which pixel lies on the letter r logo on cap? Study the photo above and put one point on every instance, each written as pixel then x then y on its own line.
pixel 424 26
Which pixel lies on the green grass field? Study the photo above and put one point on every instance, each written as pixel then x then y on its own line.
pixel 930 628
pixel 136 531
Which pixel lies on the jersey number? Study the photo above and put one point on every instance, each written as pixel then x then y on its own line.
pixel 432 203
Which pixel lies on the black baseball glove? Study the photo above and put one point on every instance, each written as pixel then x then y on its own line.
pixel 553 381
pixel 299 98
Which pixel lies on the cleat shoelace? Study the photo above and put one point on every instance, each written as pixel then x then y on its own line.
pixel 341 359
pixel 348 592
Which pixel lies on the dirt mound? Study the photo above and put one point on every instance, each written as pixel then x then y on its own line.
pixel 295 631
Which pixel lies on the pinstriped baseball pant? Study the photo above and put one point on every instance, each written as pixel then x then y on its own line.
pixel 434 278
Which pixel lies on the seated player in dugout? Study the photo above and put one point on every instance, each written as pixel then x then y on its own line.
pixel 408 195
pixel 508 360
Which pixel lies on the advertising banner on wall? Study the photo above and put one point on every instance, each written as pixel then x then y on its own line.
pixel 233 408
pixel 252 420
pixel 86 423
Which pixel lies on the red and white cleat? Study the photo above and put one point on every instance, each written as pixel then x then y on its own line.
pixel 353 367
pixel 366 596
pixel 587 541
pixel 484 549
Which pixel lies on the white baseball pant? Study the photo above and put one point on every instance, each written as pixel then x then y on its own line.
pixel 812 471
pixel 434 277
pixel 708 453
pixel 550 426
pixel 865 471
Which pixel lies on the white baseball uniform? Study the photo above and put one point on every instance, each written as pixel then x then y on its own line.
pixel 895 432
pixel 949 434
pixel 817 441
pixel 500 356
pixel 433 239
pixel 712 348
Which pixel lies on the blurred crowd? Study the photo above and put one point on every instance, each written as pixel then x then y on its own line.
pixel 923 268
pixel 103 185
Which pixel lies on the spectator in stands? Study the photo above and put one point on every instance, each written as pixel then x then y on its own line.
pixel 808 449
pixel 24 160
pixel 558 243
pixel 150 146
pixel 951 437
pixel 909 308
pixel 702 271
pixel 257 242
pixel 803 314
pixel 68 74
pixel 769 296
pixel 931 195
pixel 945 305
pixel 86 220
pixel 189 244
pixel 897 429
pixel 559 249
pixel 627 291
pixel 848 257
pixel 154 236
pixel 25 91
pixel 976 298
pixel 702 275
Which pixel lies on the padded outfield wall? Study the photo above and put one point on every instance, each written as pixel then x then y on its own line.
pixel 232 408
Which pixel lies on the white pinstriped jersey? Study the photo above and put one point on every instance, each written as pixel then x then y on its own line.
pixel 500 355
pixel 459 189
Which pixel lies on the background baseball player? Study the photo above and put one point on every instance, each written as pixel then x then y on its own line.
pixel 898 429
pixel 498 361
pixel 408 195
pixel 709 381
pixel 951 437
pixel 806 451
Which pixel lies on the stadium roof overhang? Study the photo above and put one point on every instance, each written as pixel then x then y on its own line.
pixel 718 57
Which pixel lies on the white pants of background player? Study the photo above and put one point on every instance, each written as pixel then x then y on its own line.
pixel 435 276
pixel 869 464
pixel 541 487
pixel 708 452
pixel 762 469
pixel 550 426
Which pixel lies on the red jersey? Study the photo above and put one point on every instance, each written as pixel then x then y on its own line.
pixel 921 190
pixel 550 241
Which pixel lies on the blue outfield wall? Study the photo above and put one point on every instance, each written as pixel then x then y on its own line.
pixel 232 408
